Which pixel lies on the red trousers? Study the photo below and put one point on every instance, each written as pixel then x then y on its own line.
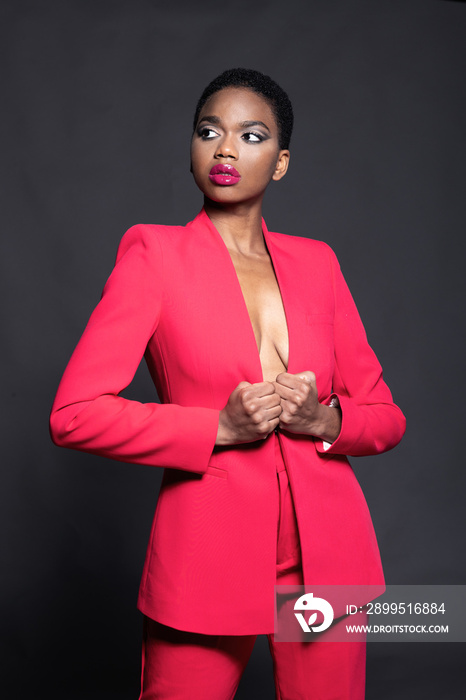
pixel 178 665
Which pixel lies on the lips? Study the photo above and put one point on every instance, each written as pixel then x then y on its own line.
pixel 224 174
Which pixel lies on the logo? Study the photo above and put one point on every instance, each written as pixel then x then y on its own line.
pixel 307 602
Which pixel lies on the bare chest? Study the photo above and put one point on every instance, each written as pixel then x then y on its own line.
pixel 263 301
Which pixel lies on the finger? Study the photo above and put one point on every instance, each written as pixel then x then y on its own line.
pixel 295 380
pixel 294 399
pixel 289 380
pixel 262 389
pixel 284 392
pixel 270 427
pixel 243 385
pixel 307 376
pixel 248 392
pixel 296 394
pixel 274 423
pixel 258 406
pixel 269 401
pixel 273 412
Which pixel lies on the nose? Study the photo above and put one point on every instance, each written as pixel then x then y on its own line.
pixel 226 148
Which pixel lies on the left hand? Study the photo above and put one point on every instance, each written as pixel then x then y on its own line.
pixel 301 410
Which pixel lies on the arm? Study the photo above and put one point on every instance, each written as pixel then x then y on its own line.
pixel 371 422
pixel 88 414
pixel 359 418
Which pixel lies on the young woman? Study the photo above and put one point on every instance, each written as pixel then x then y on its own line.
pixel 266 382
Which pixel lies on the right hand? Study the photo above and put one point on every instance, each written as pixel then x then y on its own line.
pixel 252 412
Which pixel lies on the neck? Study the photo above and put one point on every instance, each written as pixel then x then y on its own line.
pixel 240 225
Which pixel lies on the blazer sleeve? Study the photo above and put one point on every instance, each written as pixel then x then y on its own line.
pixel 371 422
pixel 88 414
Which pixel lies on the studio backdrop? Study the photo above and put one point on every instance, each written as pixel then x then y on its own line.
pixel 97 105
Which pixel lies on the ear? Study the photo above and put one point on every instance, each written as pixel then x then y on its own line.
pixel 282 165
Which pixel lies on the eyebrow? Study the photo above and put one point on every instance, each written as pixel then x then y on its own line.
pixel 242 125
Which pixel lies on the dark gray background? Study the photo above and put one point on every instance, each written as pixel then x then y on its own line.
pixel 97 105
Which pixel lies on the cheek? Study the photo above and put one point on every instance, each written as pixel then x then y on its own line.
pixel 198 169
pixel 193 156
pixel 199 157
pixel 266 167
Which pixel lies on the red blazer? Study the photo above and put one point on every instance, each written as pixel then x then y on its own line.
pixel 175 297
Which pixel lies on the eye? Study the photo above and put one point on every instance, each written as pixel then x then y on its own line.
pixel 252 137
pixel 206 132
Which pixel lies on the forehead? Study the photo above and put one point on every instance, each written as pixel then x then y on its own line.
pixel 238 104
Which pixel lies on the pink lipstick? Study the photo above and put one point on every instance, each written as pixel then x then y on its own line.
pixel 224 174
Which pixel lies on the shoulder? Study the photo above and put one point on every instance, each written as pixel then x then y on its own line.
pixel 148 238
pixel 147 234
pixel 302 246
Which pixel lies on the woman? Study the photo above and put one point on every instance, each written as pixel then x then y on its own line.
pixel 267 382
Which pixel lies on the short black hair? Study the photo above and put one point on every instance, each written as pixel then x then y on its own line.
pixel 262 84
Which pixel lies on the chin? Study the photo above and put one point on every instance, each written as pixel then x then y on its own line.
pixel 220 195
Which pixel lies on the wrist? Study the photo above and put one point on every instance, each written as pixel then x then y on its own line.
pixel 327 424
pixel 224 431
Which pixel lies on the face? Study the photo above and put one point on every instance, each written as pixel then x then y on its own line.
pixel 234 150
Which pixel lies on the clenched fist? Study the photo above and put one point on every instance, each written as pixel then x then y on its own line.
pixel 252 412
pixel 301 411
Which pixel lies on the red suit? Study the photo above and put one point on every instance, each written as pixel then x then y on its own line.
pixel 174 295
